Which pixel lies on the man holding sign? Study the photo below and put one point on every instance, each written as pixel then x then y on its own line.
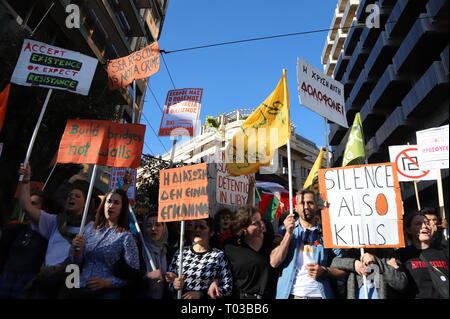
pixel 305 273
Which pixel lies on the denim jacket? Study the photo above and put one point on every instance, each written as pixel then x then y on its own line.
pixel 288 274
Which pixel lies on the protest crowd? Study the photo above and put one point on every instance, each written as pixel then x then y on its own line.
pixel 237 255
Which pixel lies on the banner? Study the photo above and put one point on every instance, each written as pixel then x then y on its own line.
pixel 408 166
pixel 432 145
pixel 320 93
pixel 102 142
pixel 231 190
pixel 116 180
pixel 355 149
pixel 183 193
pixel 181 112
pixel 138 65
pixel 43 65
pixel 365 206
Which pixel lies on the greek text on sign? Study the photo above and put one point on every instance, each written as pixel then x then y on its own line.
pixel 183 193
pixel 138 65
pixel 432 145
pixel 231 190
pixel 320 93
pixel 181 112
pixel 43 65
pixel 102 142
pixel 365 206
pixel 405 157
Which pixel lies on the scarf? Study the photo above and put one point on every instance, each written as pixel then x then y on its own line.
pixel 158 249
pixel 67 219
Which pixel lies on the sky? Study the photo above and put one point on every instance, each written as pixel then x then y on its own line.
pixel 237 75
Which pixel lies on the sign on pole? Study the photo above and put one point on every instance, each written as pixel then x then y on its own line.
pixel 181 112
pixel 433 148
pixel 138 65
pixel 320 93
pixel 44 65
pixel 408 166
pixel 102 142
pixel 365 206
pixel 116 180
pixel 231 190
pixel 183 193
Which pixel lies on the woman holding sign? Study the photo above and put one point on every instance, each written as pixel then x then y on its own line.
pixel 201 265
pixel 102 245
pixel 426 266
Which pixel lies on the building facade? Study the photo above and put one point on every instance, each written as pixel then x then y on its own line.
pixel 395 74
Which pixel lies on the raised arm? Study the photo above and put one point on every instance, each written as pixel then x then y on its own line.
pixel 279 253
pixel 24 198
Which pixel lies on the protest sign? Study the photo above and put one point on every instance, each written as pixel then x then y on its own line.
pixel 406 160
pixel 138 65
pixel 432 145
pixel 102 142
pixel 181 112
pixel 320 93
pixel 116 181
pixel 231 190
pixel 183 193
pixel 44 65
pixel 365 206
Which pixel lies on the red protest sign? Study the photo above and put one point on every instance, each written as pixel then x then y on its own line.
pixel 183 193
pixel 102 142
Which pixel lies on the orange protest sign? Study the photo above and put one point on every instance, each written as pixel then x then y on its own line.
pixel 102 142
pixel 365 206
pixel 183 193
pixel 137 65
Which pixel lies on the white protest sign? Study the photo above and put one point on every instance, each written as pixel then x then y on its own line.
pixel 405 157
pixel 365 206
pixel 181 112
pixel 320 93
pixel 116 180
pixel 231 190
pixel 432 145
pixel 43 65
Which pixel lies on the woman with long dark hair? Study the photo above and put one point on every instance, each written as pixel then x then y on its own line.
pixel 103 243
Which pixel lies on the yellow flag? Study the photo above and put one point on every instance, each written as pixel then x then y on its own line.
pixel 355 148
pixel 312 182
pixel 265 130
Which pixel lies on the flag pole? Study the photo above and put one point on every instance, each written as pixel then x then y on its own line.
pixel 36 129
pixel 366 292
pixel 88 199
pixel 325 129
pixel 288 144
pixel 49 175
pixel 141 237
pixel 441 199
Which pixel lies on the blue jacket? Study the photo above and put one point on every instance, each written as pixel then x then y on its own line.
pixel 320 254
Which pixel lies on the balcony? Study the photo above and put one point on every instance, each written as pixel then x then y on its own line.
pixel 403 16
pixel 444 60
pixel 352 39
pixel 338 44
pixel 390 90
pixel 133 17
pixel 361 90
pixel 361 13
pixel 373 152
pixel 371 118
pixel 423 44
pixel 329 67
pixel 326 50
pixel 381 54
pixel 438 9
pixel 428 92
pixel 357 61
pixel 335 24
pixel 337 132
pixel 394 128
pixel 349 14
pixel 348 85
pixel 341 66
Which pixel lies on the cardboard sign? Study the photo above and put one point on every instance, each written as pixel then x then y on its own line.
pixel 44 65
pixel 405 158
pixel 102 142
pixel 320 93
pixel 116 181
pixel 138 65
pixel 365 206
pixel 183 193
pixel 432 145
pixel 231 190
pixel 181 112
